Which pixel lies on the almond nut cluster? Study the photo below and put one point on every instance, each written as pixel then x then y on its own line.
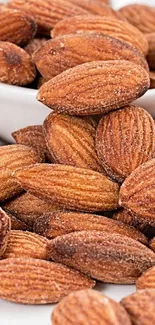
pixel 77 193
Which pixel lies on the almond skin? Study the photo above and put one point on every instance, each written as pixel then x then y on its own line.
pixel 33 281
pixel 140 307
pixel 70 187
pixel 17 224
pixel 26 244
pixel 5 227
pixel 125 140
pixel 111 258
pixel 151 54
pixel 92 88
pixel 147 280
pixel 141 16
pixel 137 195
pixel 16 27
pixel 108 26
pixel 77 145
pixel 152 244
pixel 17 67
pixel 59 223
pixel 88 307
pixel 68 51
pixel 35 44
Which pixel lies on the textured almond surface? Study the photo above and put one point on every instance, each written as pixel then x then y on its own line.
pixel 71 141
pixel 32 281
pixel 108 26
pixel 28 207
pixel 58 223
pixel 70 187
pixel 5 226
pixel 151 54
pixel 95 87
pixel 141 16
pixel 137 191
pixel 26 244
pixel 111 258
pixel 13 157
pixel 90 308
pixel 16 27
pixel 35 44
pixel 62 53
pixel 125 140
pixel 17 224
pixel 140 307
pixel 17 67
pixel 152 244
pixel 147 280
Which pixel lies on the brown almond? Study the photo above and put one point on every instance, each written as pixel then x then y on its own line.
pixel 71 141
pixel 107 257
pixel 125 140
pixel 17 224
pixel 70 187
pixel 17 67
pixel 106 25
pixel 68 51
pixel 147 280
pixel 26 244
pixel 34 281
pixel 140 307
pixel 152 79
pixel 5 226
pixel 92 88
pixel 59 223
pixel 141 16
pixel 88 307
pixel 151 54
pixel 152 244
pixel 35 44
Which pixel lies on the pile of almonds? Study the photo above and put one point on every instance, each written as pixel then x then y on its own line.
pixel 77 194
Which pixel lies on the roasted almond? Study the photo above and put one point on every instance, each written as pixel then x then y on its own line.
pixel 140 307
pixel 17 224
pixel 147 280
pixel 87 306
pixel 106 25
pixel 17 67
pixel 70 187
pixel 125 140
pixel 5 226
pixel 151 54
pixel 59 223
pixel 108 257
pixel 35 44
pixel 33 281
pixel 68 51
pixel 141 16
pixel 71 141
pixel 26 244
pixel 92 88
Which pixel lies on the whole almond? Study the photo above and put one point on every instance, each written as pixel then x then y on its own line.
pixel 152 79
pixel 59 223
pixel 17 67
pixel 147 280
pixel 125 140
pixel 107 257
pixel 141 16
pixel 77 145
pixel 140 307
pixel 137 191
pixel 70 187
pixel 16 27
pixel 92 88
pixel 33 281
pixel 5 226
pixel 151 54
pixel 68 51
pixel 35 44
pixel 89 307
pixel 106 25
pixel 26 244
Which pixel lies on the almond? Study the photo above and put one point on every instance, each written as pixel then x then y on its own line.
pixel 5 226
pixel 33 281
pixel 68 51
pixel 77 145
pixel 16 27
pixel 152 79
pixel 28 207
pixel 87 306
pixel 13 157
pixel 35 44
pixel 59 223
pixel 70 187
pixel 147 280
pixel 41 81
pixel 140 307
pixel 17 224
pixel 17 67
pixel 26 244
pixel 141 16
pixel 125 140
pixel 92 88
pixel 107 257
pixel 137 191
pixel 106 25
pixel 151 54
pixel 152 244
